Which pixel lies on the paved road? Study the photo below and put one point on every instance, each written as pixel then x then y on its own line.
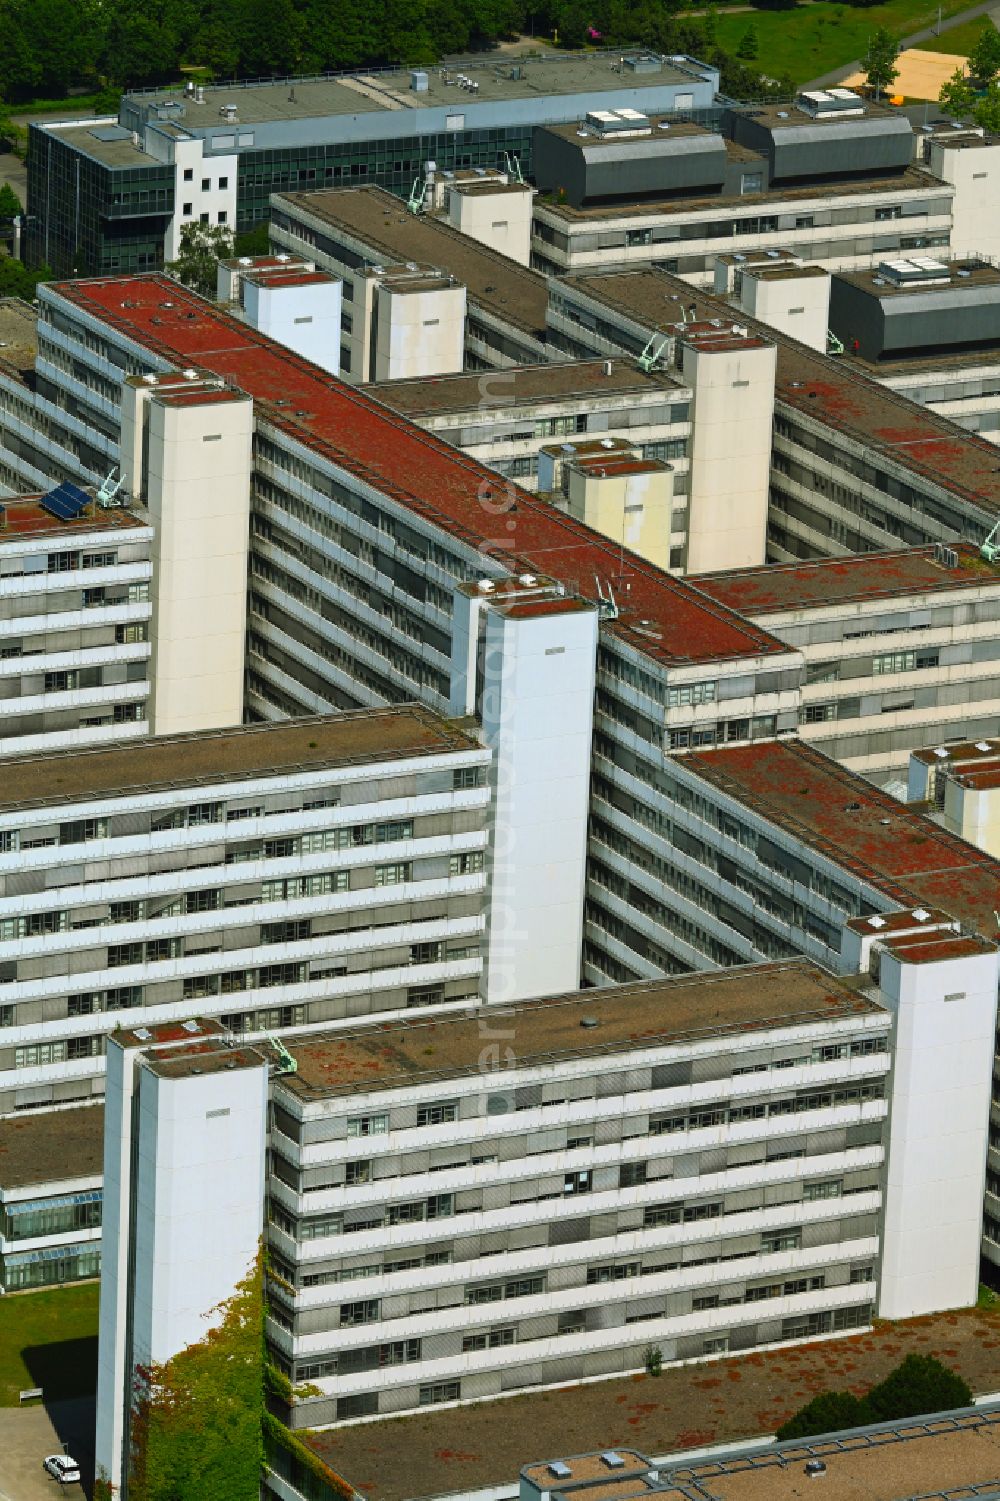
pixel 989 8
pixel 28 1434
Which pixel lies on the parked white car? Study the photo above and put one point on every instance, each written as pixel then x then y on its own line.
pixel 62 1468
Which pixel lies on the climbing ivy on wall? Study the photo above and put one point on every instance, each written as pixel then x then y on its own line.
pixel 196 1426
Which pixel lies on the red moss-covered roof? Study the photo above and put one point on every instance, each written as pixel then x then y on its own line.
pixel 832 581
pixel 896 849
pixel 419 470
pixel 25 517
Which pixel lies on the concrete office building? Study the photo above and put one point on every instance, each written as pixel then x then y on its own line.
pixel 443 1230
pixel 838 187
pixel 949 1453
pixel 491 207
pixel 374 244
pixel 184 1196
pixel 114 194
pixel 276 875
pixel 289 300
pixel 51 1176
pixel 900 649
pixel 962 784
pixel 854 466
pixel 504 419
pixel 75 614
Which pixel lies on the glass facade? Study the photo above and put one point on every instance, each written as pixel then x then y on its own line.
pixel 31 1218
pixel 22 1269
pixel 93 219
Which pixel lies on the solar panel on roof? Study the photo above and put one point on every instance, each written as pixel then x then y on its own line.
pixel 111 133
pixel 66 502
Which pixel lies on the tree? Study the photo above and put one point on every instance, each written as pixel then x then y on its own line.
pixel 18 280
pixel 986 111
pixel 828 1413
pixel 880 61
pixel 197 1426
pixel 749 45
pixel 984 59
pixel 203 246
pixel 956 95
pixel 921 1384
pixel 10 204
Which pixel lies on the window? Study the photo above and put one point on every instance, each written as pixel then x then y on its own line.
pixel 188 174
pixel 364 1312
pixel 124 953
pixel 467 864
pixel 894 661
pixel 437 1115
pixel 465 776
pixel 687 694
pixel 222 216
pixel 818 713
pixel 203 218
pixel 206 184
pixel 203 901
pixel 831 1188
pixel 358 1405
pixel 393 875
pixel 187 209
pixel 59 682
pixel 492 1339
pixel 805 221
pixel 358 1172
pixel 367 1125
pixel 631 1174
pixel 893 212
pixel 597 1275
pixel 37 1053
pixel 223 183
pixel 100 559
pixel 578 1183
pixel 440 1391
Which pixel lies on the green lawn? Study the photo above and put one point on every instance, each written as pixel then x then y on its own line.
pixel 49 1339
pixel 961 40
pixel 814 39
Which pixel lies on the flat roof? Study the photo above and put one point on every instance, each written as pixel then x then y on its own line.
pixel 362 92
pixel 524 385
pixel 26 517
pixel 964 755
pixel 691 1405
pixel 658 127
pixel 894 848
pixel 209 1056
pixel 824 388
pixel 793 116
pixel 946 1457
pixel 587 1467
pixel 18 334
pixel 51 1146
pixel 356 737
pixel 647 1013
pixel 380 220
pixel 661 617
pixel 825 583
pixel 784 192
pixel 963 276
pixel 104 140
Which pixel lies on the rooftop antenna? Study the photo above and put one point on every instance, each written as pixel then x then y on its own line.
pixel 990 549
pixel 286 1063
pixel 607 605
pixel 653 351
pixel 513 162
pixel 109 488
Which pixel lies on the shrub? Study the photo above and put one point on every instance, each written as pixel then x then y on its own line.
pixel 827 1413
pixel 920 1384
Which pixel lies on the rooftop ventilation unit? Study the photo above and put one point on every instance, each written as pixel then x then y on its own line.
pixel 612 1460
pixel 913 270
pixel 559 1471
pixel 824 104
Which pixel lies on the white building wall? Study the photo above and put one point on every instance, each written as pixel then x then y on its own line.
pixel 501 220
pixel 730 453
pixel 418 332
pixel 204 187
pixel 973 171
pixel 304 317
pixel 198 465
pixel 537 717
pixel 795 305
pixel 199 1197
pixel 944 1036
pixel 115 1230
